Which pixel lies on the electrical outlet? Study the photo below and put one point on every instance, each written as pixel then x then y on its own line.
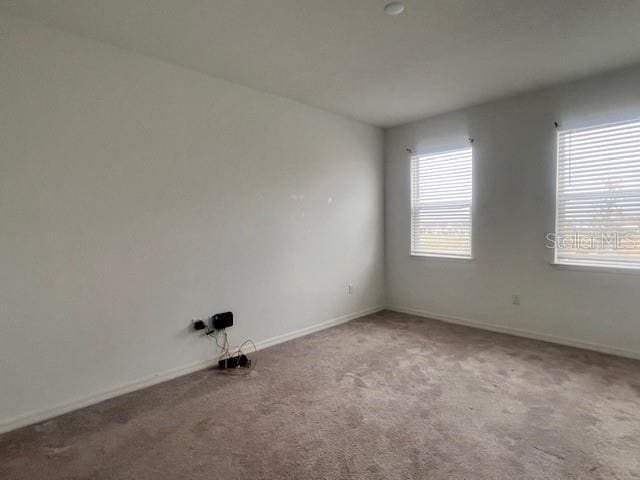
pixel 350 289
pixel 515 299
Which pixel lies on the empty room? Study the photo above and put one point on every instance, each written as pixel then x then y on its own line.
pixel 320 239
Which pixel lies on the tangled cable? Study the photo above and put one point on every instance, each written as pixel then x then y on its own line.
pixel 226 351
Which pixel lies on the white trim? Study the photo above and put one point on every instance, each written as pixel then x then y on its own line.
pixel 37 416
pixel 555 198
pixel 626 265
pixel 269 342
pixel 8 424
pixel 416 253
pixel 599 125
pixel 441 257
pixel 571 342
pixel 597 268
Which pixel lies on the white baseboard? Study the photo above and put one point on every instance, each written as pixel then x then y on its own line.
pixel 269 342
pixel 571 342
pixel 30 418
pixel 38 416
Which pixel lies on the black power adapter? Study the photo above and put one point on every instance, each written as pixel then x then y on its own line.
pixel 221 321
pixel 217 325
pixel 237 361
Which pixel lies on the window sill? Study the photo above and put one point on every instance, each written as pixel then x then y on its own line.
pixel 446 258
pixel 596 269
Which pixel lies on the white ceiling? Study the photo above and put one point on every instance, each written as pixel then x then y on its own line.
pixel 347 56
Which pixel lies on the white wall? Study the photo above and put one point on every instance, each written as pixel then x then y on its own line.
pixel 136 195
pixel 514 182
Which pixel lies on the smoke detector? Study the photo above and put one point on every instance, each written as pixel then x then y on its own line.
pixel 394 8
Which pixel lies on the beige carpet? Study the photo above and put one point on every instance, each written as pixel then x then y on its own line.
pixel 388 396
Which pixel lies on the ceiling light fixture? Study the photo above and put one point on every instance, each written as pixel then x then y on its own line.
pixel 394 8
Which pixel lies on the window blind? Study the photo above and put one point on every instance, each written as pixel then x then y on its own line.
pixel 598 196
pixel 441 204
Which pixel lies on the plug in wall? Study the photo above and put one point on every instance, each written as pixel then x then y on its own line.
pixel 162 239
pixel 198 325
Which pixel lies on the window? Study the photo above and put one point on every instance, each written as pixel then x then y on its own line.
pixel 598 196
pixel 441 204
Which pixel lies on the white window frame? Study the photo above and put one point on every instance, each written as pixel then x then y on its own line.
pixel 584 265
pixel 425 254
